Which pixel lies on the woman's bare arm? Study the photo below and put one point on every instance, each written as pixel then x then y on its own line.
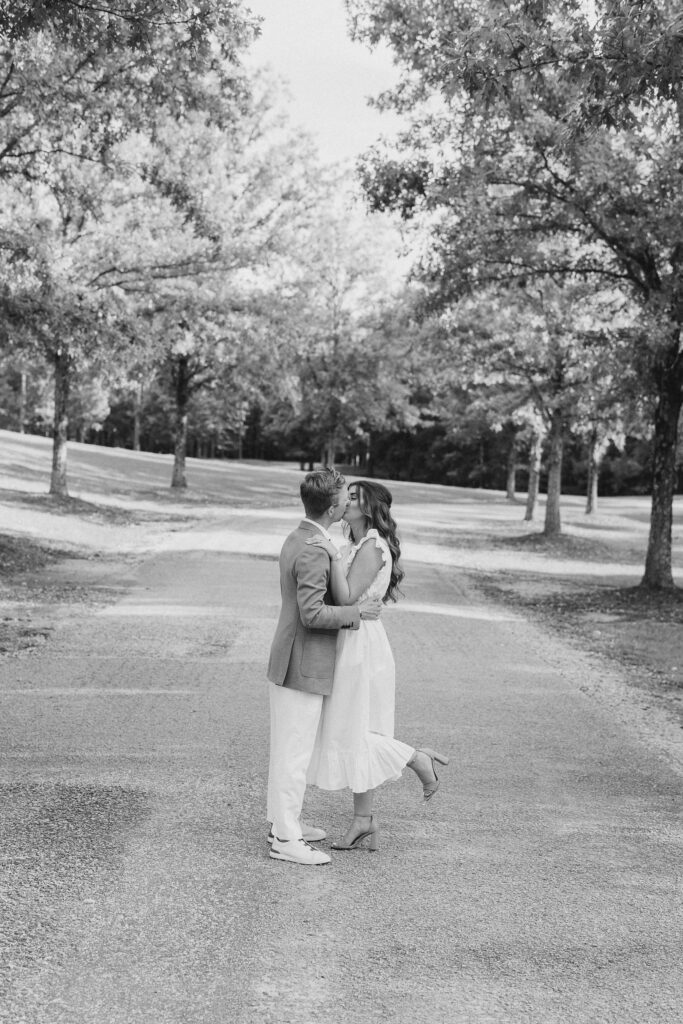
pixel 364 568
pixel 363 571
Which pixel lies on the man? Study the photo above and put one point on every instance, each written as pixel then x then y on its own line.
pixel 301 665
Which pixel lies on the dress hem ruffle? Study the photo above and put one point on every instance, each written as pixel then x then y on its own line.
pixel 382 759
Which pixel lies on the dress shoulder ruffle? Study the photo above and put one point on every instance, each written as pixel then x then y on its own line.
pixel 380 544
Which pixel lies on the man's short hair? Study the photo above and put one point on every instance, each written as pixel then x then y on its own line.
pixel 319 490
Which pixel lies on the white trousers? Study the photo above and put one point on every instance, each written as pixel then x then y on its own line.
pixel 294 719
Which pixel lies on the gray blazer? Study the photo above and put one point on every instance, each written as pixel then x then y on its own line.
pixel 304 647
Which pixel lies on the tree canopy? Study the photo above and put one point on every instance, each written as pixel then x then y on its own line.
pixel 172 251
pixel 545 144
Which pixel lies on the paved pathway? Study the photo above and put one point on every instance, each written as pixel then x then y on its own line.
pixel 542 886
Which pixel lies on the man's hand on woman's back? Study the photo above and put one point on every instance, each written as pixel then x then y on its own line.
pixel 370 608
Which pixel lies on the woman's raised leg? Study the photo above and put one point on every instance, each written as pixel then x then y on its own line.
pixel 423 764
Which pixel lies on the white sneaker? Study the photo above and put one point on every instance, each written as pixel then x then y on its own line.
pixel 297 851
pixel 308 832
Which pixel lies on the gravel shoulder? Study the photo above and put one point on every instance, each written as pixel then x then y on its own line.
pixel 635 635
pixel 59 558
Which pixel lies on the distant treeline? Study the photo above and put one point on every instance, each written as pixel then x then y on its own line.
pixel 430 453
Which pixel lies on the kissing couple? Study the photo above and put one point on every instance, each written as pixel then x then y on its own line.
pixel 331 669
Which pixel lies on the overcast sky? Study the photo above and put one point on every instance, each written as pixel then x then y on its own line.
pixel 305 42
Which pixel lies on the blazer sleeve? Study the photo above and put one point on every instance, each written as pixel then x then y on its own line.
pixel 312 570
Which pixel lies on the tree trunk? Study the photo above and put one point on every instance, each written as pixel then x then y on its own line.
pixel 58 480
pixel 658 574
pixel 553 524
pixel 137 416
pixel 182 396
pixel 369 469
pixel 535 452
pixel 511 486
pixel 482 462
pixel 594 459
pixel 22 401
pixel 329 451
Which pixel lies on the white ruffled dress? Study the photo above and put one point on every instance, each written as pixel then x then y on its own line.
pixel 355 745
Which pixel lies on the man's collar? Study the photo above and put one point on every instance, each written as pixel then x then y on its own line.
pixel 322 529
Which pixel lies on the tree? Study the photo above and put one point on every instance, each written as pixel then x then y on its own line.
pixel 530 356
pixel 62 328
pixel 61 299
pixel 556 155
pixel 90 95
pixel 345 350
pixel 205 315
pixel 24 385
pixel 80 77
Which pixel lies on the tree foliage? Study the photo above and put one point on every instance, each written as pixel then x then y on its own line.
pixel 546 144
pixel 343 350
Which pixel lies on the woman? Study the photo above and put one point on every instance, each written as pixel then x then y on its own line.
pixel 355 747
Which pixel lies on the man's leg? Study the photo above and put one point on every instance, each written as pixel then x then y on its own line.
pixel 294 718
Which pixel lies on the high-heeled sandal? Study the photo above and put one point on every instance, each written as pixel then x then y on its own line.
pixel 430 786
pixel 372 833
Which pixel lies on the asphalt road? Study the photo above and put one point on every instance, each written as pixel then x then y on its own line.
pixel 541 886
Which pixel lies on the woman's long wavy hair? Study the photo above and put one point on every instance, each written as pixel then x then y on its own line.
pixel 374 501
